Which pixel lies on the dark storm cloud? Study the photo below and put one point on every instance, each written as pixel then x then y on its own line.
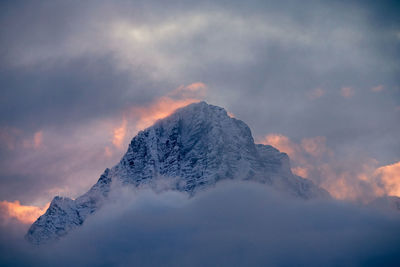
pixel 69 93
pixel 239 224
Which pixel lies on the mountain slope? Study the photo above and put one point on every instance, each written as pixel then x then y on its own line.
pixel 192 149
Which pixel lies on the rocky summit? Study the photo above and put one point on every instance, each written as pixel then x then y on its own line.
pixel 192 149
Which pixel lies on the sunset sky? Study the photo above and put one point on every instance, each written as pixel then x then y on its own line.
pixel 319 80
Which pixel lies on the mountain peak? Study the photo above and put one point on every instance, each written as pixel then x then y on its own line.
pixel 196 111
pixel 192 149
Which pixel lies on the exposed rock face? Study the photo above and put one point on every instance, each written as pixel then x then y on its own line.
pixel 193 148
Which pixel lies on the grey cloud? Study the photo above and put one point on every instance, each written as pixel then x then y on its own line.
pixel 234 224
pixel 70 94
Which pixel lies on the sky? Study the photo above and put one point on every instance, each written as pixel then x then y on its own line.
pixel 319 80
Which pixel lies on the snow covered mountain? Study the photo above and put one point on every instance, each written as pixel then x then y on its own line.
pixel 194 148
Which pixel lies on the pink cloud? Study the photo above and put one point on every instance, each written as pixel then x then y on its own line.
pixel 377 89
pixel 119 134
pixel 347 92
pixel 389 176
pixel 350 179
pixel 315 146
pixel 316 93
pixel 9 137
pixel 281 142
pixel 140 117
pixel 197 90
pixel 24 214
pixel 38 139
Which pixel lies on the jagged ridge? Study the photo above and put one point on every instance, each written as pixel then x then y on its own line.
pixel 194 148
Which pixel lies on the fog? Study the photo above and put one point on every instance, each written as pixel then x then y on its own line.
pixel 233 224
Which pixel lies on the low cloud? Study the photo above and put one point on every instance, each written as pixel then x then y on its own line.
pixel 233 224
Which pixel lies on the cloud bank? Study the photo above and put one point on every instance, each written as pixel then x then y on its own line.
pixel 233 224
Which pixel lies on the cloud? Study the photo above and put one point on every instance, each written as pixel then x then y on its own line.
pixel 389 176
pixel 282 143
pixel 377 89
pixel 300 171
pixel 160 108
pixel 316 146
pixel 24 214
pixel 38 139
pixel 50 162
pixel 356 179
pixel 230 114
pixel 316 93
pixel 8 137
pixel 35 142
pixel 119 134
pixel 49 155
pixel 194 90
pixel 347 92
pixel 13 138
pixel 233 224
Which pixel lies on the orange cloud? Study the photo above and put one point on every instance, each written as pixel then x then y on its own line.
pixel 107 152
pixel 347 92
pixel 389 176
pixel 301 162
pixel 196 90
pixel 315 146
pixel 119 134
pixel 312 159
pixel 158 110
pixel 342 188
pixel 378 88
pixel 300 171
pixel 35 142
pixel 164 106
pixel 230 114
pixel 140 117
pixel 24 214
pixel 199 86
pixel 38 139
pixel 280 142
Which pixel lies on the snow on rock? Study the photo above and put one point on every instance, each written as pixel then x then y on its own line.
pixel 194 148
